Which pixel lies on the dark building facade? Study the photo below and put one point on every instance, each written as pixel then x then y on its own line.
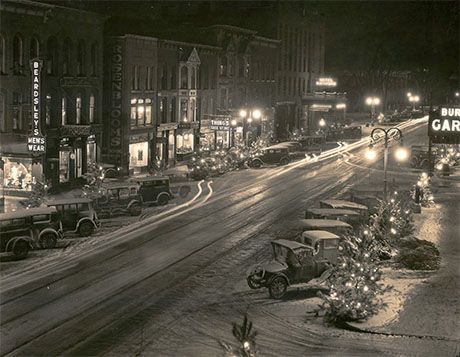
pixel 68 43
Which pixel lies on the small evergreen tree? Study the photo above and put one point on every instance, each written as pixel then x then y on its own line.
pixel 245 335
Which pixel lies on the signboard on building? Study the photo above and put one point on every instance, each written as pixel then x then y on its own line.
pixel 444 125
pixel 36 142
pixel 325 82
pixel 116 113
pixel 220 125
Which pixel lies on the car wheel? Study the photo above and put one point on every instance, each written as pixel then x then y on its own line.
pixel 277 287
pixel 252 284
pixel 21 249
pixel 256 164
pixel 135 209
pixel 163 199
pixel 48 241
pixel 86 229
pixel 284 161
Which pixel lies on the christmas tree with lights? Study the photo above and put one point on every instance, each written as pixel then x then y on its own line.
pixel 421 192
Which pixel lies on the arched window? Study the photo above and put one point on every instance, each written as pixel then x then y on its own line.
pixel 66 54
pixel 81 55
pixel 223 65
pixel 18 54
pixel 164 76
pixel 48 110
pixel 34 49
pixel 78 109
pixel 184 77
pixel 52 56
pixel 92 108
pixel 94 59
pixel 64 111
pixel 193 78
pixel 2 54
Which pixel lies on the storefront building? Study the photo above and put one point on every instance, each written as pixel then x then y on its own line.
pixel 68 45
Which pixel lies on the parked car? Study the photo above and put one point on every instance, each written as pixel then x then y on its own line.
pixel 325 244
pixel 350 216
pixel 272 155
pixel 343 204
pixel 154 189
pixel 119 198
pixel 77 215
pixel 25 229
pixel 332 225
pixel 293 263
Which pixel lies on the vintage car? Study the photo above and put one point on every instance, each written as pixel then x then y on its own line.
pixel 25 229
pixel 350 216
pixel 77 215
pixel 154 189
pixel 325 244
pixel 272 155
pixel 293 263
pixel 119 198
pixel 332 225
pixel 343 204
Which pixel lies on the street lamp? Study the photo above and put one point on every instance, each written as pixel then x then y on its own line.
pixel 414 99
pixel 401 153
pixel 373 101
pixel 248 116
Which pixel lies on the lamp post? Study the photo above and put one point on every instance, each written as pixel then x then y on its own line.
pixel 413 99
pixel 401 153
pixel 373 102
pixel 248 116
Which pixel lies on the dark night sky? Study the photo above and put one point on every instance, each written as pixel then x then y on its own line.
pixel 407 35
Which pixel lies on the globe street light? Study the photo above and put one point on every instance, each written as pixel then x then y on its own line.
pixel 248 116
pixel 414 99
pixel 401 153
pixel 372 101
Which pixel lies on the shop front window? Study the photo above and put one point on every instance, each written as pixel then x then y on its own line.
pixel 148 112
pixel 185 142
pixel 138 154
pixel 91 150
pixel 140 112
pixel 64 165
pixel 18 174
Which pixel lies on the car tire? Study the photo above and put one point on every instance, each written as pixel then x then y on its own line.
pixel 21 249
pixel 252 284
pixel 163 200
pixel 256 164
pixel 135 209
pixel 48 241
pixel 284 161
pixel 278 287
pixel 86 229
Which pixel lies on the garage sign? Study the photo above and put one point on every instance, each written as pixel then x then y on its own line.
pixel 444 125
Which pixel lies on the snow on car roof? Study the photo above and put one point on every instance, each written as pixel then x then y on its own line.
pixel 320 235
pixel 337 211
pixel 323 223
pixel 68 201
pixel 149 178
pixel 343 204
pixel 291 244
pixel 27 212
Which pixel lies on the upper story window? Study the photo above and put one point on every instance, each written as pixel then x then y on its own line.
pixel 92 108
pixel 173 79
pixel 66 54
pixel 2 54
pixel 78 109
pixel 34 49
pixel 18 54
pixel 223 65
pixel 48 110
pixel 63 111
pixel 164 76
pixel 52 56
pixel 193 78
pixel 81 58
pixel 94 58
pixel 184 77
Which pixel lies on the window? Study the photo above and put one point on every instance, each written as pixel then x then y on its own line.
pixel 133 191
pixel 164 76
pixel 17 111
pixel 48 110
pixel 223 65
pixel 135 78
pixel 41 218
pixel 140 112
pixel 184 77
pixel 148 83
pixel 93 58
pixel 133 112
pixel 92 108
pixel 148 112
pixel 66 53
pixel 64 111
pixel 81 57
pixel 184 110
pixel 2 54
pixel 163 110
pixel 78 109
pixel 173 110
pixel 52 56
pixel 18 54
pixel 123 193
pixel 34 48
pixel 173 79
pixel 193 79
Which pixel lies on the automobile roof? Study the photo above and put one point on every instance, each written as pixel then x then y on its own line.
pixel 149 178
pixel 67 201
pixel 291 244
pixel 117 184
pixel 27 212
pixel 337 211
pixel 344 204
pixel 323 223
pixel 277 146
pixel 316 234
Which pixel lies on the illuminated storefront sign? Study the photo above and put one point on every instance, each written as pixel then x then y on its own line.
pixel 326 82
pixel 444 125
pixel 320 107
pixel 36 142
pixel 219 125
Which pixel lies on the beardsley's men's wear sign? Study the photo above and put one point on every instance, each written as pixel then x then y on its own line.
pixel 444 125
pixel 36 142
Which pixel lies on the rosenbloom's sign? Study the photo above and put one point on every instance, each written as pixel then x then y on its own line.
pixel 444 125
pixel 36 142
